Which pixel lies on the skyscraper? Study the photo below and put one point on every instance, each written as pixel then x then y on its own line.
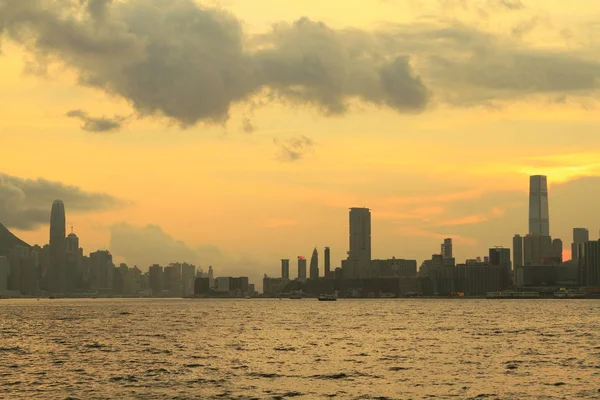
pixel 580 236
pixel 301 268
pixel 589 263
pixel 58 233
pixel 499 256
pixel 327 262
pixel 285 269
pixel 517 251
pixel 539 219
pixel 556 252
pixel 359 256
pixel 73 276
pixel 314 265
pixel 447 248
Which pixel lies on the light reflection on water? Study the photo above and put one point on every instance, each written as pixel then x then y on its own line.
pixel 265 349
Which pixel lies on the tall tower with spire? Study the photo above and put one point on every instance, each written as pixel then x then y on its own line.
pixel 58 248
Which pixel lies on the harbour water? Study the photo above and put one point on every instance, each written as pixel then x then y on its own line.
pixel 305 349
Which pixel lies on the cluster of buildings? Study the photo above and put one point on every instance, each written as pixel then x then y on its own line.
pixel 537 264
pixel 60 268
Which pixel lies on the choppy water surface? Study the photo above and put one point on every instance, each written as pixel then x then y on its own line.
pixel 265 349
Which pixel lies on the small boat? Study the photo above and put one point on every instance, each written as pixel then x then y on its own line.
pixel 295 297
pixel 327 297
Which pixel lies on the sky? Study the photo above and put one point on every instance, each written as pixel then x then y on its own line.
pixel 235 133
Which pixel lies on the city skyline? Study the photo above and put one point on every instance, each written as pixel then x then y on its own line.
pixel 168 175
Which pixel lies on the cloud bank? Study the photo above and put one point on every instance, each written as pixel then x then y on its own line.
pixel 147 245
pixel 25 203
pixel 190 64
pixel 97 124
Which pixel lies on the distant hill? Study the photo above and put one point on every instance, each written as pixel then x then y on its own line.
pixel 8 241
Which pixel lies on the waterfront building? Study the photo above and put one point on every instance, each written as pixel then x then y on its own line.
pixel 314 265
pixel 539 218
pixel 517 251
pixel 580 236
pixel 57 274
pixel 358 262
pixel 327 263
pixel 301 268
pixel 285 269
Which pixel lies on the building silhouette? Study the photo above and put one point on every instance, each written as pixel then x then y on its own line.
pixel 580 236
pixel 446 248
pixel 589 263
pixel 357 265
pixel 155 277
pixel 499 256
pixel 301 268
pixel 57 273
pixel 539 219
pixel 285 269
pixel 327 264
pixel 517 251
pixel 314 265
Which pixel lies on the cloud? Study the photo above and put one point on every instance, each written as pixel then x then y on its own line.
pixel 26 203
pixel 147 245
pixel 295 148
pixel 97 125
pixel 191 63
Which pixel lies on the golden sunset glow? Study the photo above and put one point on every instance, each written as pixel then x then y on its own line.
pixel 277 177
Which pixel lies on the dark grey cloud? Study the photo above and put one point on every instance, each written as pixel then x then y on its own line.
pixel 26 203
pixel 150 244
pixel 295 148
pixel 468 66
pixel 97 124
pixel 191 63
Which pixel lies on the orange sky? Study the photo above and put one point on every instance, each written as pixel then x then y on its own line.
pixel 451 171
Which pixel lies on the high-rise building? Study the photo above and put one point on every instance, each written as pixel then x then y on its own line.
pixel 101 271
pixel 73 276
pixel 301 268
pixel 446 248
pixel 539 219
pixel 557 250
pixel 589 263
pixel 580 236
pixel 285 269
pixel 537 250
pixel 314 265
pixel 211 277
pixel 358 262
pixel 155 277
pixel 500 256
pixel 327 262
pixel 517 251
pixel 58 233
